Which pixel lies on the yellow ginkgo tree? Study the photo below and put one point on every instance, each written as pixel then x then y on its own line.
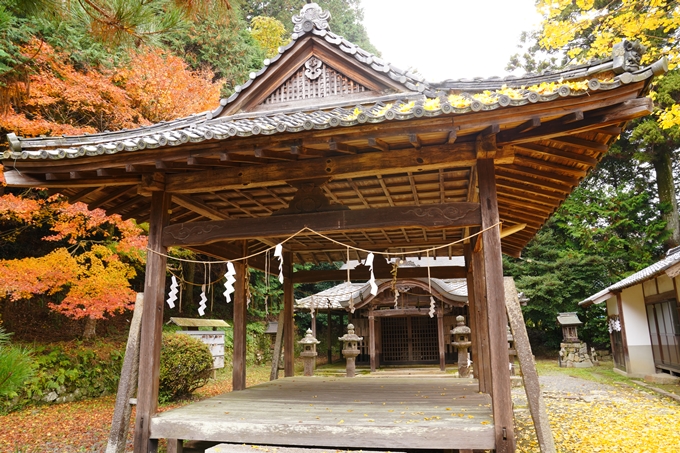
pixel 577 31
pixel 587 29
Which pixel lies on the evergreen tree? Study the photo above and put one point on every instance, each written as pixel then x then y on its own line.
pixel 346 17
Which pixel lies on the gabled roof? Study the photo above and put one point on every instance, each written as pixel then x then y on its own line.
pixel 647 273
pixel 339 296
pixel 397 140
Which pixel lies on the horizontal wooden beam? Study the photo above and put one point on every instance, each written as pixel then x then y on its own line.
pixel 401 312
pixel 226 252
pixel 426 216
pixel 17 179
pixel 379 273
pixel 198 207
pixel 348 166
pixel 625 111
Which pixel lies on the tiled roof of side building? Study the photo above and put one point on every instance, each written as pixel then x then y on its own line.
pixel 655 269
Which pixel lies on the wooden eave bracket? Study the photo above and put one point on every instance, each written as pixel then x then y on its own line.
pixel 485 143
pixel 154 182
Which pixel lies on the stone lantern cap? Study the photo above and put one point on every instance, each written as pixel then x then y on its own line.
pixel 309 338
pixel 350 335
pixel 461 328
pixel 568 319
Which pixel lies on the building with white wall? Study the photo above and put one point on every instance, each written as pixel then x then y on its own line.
pixel 643 315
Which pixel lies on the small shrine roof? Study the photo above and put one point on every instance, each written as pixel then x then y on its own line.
pixel 568 319
pixel 339 296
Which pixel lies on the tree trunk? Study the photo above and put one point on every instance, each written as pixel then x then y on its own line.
pixel 90 326
pixel 667 196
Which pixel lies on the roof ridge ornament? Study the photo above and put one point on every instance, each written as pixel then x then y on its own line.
pixel 311 16
pixel 627 56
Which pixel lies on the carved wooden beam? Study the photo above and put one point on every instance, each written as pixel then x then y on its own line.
pixel 351 166
pixel 428 216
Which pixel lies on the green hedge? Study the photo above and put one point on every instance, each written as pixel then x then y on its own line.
pixel 186 365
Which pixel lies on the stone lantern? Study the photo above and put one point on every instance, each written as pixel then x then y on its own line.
pixel 308 353
pixel 350 350
pixel 461 340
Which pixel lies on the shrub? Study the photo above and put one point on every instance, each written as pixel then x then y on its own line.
pixel 16 366
pixel 186 365
pixel 67 372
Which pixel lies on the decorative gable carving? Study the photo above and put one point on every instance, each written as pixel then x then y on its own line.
pixel 314 80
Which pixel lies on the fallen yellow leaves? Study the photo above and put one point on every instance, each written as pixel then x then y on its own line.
pixel 630 423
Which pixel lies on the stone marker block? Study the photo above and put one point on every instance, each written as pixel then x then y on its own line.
pixel 662 378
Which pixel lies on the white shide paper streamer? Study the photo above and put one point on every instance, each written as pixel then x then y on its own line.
pixel 369 263
pixel 172 295
pixel 230 275
pixel 202 305
pixel 278 252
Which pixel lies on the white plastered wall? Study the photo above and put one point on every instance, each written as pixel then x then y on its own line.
pixel 641 359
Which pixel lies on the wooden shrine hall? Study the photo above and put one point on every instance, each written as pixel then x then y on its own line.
pixel 407 321
pixel 329 150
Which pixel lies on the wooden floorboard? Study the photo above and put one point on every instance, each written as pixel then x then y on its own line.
pixel 387 413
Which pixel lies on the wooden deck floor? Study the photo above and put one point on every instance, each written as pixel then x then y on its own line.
pixel 390 413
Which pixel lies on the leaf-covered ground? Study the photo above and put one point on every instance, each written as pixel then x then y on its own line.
pixel 603 413
pixel 83 426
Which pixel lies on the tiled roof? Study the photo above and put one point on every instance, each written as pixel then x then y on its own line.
pixel 419 99
pixel 339 296
pixel 201 127
pixel 645 274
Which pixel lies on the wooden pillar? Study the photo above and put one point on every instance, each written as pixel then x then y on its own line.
pixel 288 328
pixel 624 338
pixel 239 328
pixel 152 325
pixel 315 312
pixel 330 337
pixel 496 314
pixel 483 365
pixel 472 311
pixel 274 374
pixel 440 337
pixel 371 333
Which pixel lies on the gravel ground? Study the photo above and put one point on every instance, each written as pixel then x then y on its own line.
pixel 562 386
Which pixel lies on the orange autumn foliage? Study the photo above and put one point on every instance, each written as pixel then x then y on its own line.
pixel 63 100
pixel 59 93
pixel 101 287
pixel 92 279
pixel 162 87
pixel 24 278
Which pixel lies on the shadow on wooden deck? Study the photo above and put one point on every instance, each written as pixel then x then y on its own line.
pixel 390 413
